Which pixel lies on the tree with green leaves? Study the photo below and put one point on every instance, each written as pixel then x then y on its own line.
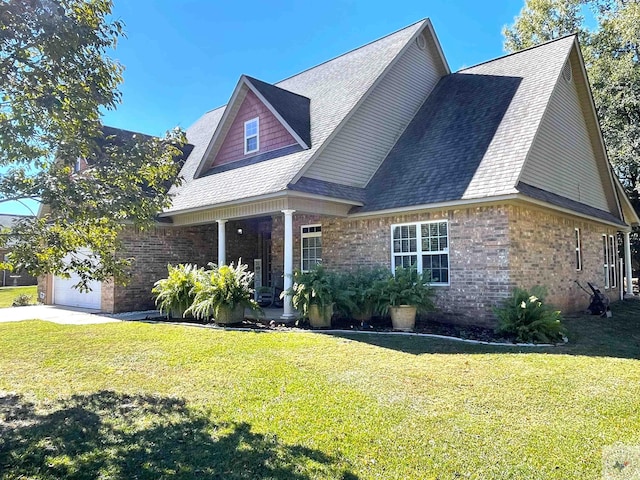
pixel 57 78
pixel 612 58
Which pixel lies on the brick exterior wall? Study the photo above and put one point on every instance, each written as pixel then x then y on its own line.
pixel 492 250
pixel 151 251
pixel 543 253
pixel 272 134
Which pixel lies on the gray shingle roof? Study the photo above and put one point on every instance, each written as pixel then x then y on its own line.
pixel 333 87
pixel 563 202
pixel 329 189
pixel 293 108
pixel 471 137
pixel 7 220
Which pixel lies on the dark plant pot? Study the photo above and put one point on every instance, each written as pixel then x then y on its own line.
pixel 228 315
pixel 403 317
pixel 320 317
pixel 364 316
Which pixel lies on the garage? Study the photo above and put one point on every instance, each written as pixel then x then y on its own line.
pixel 65 294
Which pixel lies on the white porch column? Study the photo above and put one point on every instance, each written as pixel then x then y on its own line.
pixel 627 264
pixel 222 243
pixel 288 313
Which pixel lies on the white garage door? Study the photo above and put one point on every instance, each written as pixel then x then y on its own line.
pixel 65 294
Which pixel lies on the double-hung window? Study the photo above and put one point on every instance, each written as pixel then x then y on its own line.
pixel 251 135
pixel 424 246
pixel 311 246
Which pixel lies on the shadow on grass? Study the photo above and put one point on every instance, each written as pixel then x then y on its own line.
pixel 109 435
pixel 618 337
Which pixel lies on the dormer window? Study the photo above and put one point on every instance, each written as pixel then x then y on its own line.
pixel 251 131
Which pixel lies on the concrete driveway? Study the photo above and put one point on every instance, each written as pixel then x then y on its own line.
pixel 66 315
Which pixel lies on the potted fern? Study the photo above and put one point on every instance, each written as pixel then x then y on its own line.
pixel 403 295
pixel 174 294
pixel 361 286
pixel 312 294
pixel 223 293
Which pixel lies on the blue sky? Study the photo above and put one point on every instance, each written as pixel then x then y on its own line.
pixel 184 57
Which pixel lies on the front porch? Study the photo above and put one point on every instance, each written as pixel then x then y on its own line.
pixel 269 236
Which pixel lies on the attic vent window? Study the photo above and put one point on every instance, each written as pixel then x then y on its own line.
pixel 566 71
pixel 251 135
pixel 421 42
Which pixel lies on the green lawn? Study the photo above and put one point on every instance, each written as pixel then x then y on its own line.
pixel 135 400
pixel 8 294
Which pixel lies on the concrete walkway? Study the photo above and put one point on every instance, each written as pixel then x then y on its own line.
pixel 65 315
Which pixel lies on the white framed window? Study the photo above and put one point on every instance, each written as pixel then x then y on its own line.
pixel 612 261
pixel 311 246
pixel 578 246
pixel 605 261
pixel 423 245
pixel 252 135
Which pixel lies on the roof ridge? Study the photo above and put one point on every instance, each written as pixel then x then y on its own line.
pixel 275 84
pixel 519 51
pixel 352 50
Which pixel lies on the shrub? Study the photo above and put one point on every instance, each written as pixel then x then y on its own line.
pixel 22 300
pixel 359 287
pixel 526 317
pixel 174 294
pixel 225 287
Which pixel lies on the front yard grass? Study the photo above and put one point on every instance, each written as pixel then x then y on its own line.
pixel 8 294
pixel 147 401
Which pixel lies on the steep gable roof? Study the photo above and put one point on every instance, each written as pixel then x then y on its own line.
pixel 334 89
pixel 472 137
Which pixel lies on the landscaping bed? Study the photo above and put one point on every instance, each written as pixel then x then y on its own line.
pixel 382 325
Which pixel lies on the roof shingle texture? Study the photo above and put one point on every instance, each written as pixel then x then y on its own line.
pixel 293 108
pixel 471 137
pixel 333 87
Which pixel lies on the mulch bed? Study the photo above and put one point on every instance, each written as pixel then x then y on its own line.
pixel 423 325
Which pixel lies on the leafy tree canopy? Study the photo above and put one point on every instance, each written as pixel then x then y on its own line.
pixel 57 78
pixel 612 57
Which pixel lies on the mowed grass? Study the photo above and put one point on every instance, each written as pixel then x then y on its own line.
pixel 147 401
pixel 8 294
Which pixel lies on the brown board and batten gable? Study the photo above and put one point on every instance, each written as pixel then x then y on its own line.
pixel 281 118
pixel 272 134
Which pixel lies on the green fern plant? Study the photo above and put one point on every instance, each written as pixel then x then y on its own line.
pixel 526 317
pixel 406 287
pixel 222 288
pixel 174 294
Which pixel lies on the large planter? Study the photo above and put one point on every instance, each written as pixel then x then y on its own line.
pixel 227 315
pixel 403 317
pixel 320 317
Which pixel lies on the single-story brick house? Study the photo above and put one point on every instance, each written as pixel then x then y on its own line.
pixel 491 177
